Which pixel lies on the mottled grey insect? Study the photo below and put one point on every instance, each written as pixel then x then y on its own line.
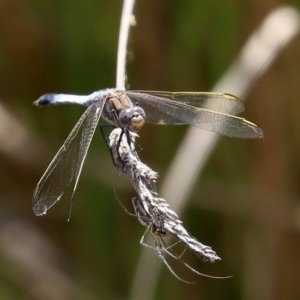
pixel 130 110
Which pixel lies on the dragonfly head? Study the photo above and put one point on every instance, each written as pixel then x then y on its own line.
pixel 132 118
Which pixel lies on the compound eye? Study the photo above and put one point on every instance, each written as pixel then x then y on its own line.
pixel 137 119
pixel 139 112
pixel 125 117
pixel 132 118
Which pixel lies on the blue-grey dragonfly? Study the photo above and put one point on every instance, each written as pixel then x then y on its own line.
pixel 130 110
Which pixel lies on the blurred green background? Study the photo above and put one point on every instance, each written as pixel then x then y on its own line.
pixel 246 203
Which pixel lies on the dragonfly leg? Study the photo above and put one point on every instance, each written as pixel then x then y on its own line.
pixel 102 128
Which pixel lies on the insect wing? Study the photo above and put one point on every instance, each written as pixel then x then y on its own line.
pixel 65 168
pixel 208 111
pixel 221 102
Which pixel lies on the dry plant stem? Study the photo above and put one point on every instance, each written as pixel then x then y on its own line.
pixel 127 20
pixel 278 29
pixel 152 211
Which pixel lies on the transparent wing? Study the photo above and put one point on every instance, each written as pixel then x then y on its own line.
pixel 65 168
pixel 221 102
pixel 208 111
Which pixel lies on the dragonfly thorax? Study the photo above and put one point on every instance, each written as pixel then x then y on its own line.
pixel 122 113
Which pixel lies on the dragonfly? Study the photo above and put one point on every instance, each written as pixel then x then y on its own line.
pixel 129 110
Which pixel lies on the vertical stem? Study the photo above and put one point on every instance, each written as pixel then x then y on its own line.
pixel 127 20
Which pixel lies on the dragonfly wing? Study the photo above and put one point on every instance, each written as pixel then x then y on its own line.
pixel 221 102
pixel 161 110
pixel 65 168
